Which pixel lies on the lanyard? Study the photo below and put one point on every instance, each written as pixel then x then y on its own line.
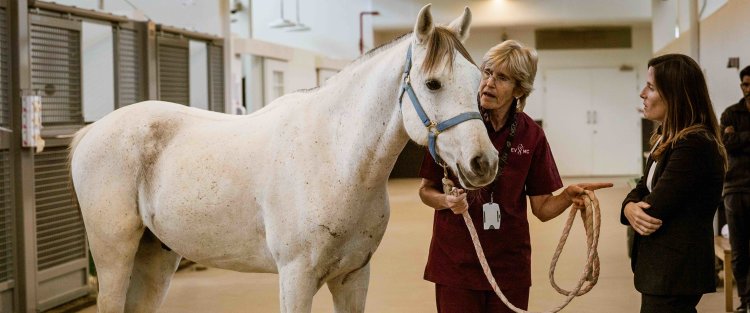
pixel 506 152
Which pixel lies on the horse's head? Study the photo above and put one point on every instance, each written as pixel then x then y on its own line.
pixel 445 84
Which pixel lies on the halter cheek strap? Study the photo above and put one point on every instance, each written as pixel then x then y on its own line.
pixel 433 128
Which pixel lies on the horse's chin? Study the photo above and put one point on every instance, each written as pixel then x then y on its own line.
pixel 468 183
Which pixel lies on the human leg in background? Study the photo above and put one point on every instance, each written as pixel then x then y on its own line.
pixel 737 206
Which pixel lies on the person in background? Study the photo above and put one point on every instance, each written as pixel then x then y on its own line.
pixel 673 205
pixel 735 124
pixel 508 71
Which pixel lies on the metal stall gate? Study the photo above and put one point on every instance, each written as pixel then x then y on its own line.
pixel 61 250
pixel 216 77
pixel 130 80
pixel 173 63
pixel 7 225
pixel 43 248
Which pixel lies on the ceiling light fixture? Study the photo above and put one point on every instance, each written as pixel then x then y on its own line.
pixel 281 22
pixel 299 27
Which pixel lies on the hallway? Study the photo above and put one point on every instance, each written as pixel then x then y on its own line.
pixel 396 283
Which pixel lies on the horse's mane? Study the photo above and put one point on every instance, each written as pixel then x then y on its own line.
pixel 443 44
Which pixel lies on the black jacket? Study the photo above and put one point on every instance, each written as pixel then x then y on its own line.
pixel 678 258
pixel 738 147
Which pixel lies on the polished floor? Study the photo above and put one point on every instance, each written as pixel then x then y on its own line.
pixel 396 283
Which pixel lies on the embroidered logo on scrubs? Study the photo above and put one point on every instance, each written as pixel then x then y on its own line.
pixel 520 150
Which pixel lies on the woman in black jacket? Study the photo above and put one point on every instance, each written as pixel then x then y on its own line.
pixel 672 207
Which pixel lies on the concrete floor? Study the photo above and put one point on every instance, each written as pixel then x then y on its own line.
pixel 396 283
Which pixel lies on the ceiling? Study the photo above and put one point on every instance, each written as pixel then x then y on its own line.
pixel 401 14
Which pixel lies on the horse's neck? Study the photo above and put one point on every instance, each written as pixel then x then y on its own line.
pixel 371 134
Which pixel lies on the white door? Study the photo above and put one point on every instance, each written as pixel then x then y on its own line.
pixel 275 79
pixel 567 121
pixel 617 123
pixel 591 121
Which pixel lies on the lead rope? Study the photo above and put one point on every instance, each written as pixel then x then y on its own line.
pixel 591 222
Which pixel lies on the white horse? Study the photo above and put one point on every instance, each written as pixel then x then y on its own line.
pixel 298 188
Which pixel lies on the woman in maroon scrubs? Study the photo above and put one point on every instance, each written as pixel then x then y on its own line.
pixel 508 72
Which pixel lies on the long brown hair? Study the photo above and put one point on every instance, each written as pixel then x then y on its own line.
pixel 680 82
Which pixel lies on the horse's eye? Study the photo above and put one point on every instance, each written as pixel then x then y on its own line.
pixel 433 84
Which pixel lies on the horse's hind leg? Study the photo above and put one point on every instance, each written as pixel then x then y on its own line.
pixel 113 252
pixel 350 290
pixel 152 271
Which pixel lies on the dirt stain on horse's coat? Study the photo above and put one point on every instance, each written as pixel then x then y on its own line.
pixel 158 135
pixel 330 232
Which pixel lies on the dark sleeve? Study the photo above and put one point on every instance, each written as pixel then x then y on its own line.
pixel 430 169
pixel 689 164
pixel 543 177
pixel 739 140
pixel 636 195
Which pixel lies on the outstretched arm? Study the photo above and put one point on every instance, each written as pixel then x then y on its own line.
pixel 547 207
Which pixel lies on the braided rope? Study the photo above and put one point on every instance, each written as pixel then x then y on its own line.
pixel 591 222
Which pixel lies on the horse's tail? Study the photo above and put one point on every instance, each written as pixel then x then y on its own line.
pixel 71 149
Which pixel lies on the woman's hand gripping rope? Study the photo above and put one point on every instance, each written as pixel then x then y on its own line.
pixel 591 216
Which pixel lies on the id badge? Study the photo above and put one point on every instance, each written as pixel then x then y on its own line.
pixel 491 215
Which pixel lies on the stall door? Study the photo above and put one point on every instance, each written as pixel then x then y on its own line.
pixel 62 259
pixel 7 225
pixel 216 78
pixel 173 62
pixel 129 67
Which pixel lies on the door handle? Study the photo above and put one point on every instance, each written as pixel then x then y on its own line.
pixel 594 116
pixel 588 117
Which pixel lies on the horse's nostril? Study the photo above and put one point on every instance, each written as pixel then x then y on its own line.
pixel 480 164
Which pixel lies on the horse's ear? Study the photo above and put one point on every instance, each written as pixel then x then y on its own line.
pixel 460 26
pixel 424 27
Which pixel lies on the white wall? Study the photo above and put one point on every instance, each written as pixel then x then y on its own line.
pixel 724 34
pixel 197 15
pixel 723 29
pixel 334 25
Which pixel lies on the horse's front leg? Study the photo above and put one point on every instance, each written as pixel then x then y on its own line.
pixel 298 284
pixel 350 290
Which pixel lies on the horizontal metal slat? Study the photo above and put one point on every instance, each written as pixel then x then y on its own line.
pixel 59 218
pixel 64 248
pixel 65 230
pixel 59 243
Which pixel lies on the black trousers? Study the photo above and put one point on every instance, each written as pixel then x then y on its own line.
pixel 737 207
pixel 669 304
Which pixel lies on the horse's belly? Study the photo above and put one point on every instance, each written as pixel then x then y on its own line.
pixel 214 235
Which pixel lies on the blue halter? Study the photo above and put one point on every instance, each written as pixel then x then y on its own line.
pixel 433 128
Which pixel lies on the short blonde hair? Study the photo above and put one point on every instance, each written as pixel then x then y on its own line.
pixel 519 61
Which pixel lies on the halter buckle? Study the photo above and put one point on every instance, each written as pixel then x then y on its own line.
pixel 433 128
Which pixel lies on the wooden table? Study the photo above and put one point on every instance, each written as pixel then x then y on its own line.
pixel 723 251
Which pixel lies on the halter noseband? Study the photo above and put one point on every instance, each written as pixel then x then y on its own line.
pixel 433 128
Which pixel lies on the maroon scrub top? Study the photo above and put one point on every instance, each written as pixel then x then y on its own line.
pixel 531 170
